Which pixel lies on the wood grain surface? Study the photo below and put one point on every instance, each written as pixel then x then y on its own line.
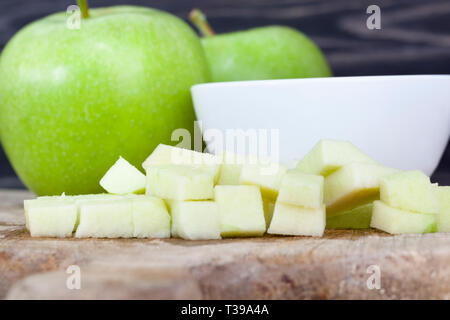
pixel 332 267
pixel 414 38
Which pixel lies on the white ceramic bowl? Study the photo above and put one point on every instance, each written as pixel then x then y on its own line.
pixel 400 121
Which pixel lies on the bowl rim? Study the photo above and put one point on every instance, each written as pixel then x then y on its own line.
pixel 327 80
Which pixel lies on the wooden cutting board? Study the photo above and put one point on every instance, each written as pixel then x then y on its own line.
pixel 337 266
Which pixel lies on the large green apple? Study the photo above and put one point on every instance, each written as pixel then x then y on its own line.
pixel 73 101
pixel 272 52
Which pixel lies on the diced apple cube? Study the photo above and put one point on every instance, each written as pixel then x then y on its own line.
pixel 397 221
pixel 269 206
pixel 50 218
pixel 123 178
pixel 410 190
pixel 150 217
pixel 267 176
pixel 168 155
pixel 297 221
pixel 329 155
pixel 112 218
pixel 443 218
pixel 353 185
pixel 179 182
pixel 301 189
pixel 241 210
pixel 195 220
pixel 357 218
pixel 170 203
pixel 231 168
pixel 26 204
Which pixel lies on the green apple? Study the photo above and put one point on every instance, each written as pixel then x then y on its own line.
pixel 353 185
pixel 443 218
pixel 195 220
pixel 301 189
pixel 241 211
pixel 73 100
pixel 297 221
pixel 123 178
pixel 329 155
pixel 272 52
pixel 410 190
pixel 397 221
pixel 357 218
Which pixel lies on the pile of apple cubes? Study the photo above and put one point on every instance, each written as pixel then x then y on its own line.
pixel 196 195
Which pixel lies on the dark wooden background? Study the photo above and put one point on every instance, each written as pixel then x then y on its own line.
pixel 414 39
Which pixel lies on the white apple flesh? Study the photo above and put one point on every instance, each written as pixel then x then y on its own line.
pixel 123 178
pixel 179 182
pixel 241 210
pixel 51 218
pixel 301 189
pixel 195 220
pixel 297 221
pixel 169 155
pixel 105 219
pixel 150 217
pixel 397 221
pixel 443 218
pixel 411 191
pixel 353 185
pixel 329 155
pixel 267 176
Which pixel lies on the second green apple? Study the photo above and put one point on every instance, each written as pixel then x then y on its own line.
pixel 271 52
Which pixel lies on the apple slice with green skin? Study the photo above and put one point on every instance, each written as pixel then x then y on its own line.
pixel 51 217
pixel 112 218
pixel 123 178
pixel 397 221
pixel 195 220
pixel 169 155
pixel 329 155
pixel 357 218
pixel 272 52
pixel 353 185
pixel 297 221
pixel 268 206
pixel 241 211
pixel 266 175
pixel 301 189
pixel 150 217
pixel 179 182
pixel 410 190
pixel 443 218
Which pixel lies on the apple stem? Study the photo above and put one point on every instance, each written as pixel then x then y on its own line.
pixel 198 18
pixel 83 4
